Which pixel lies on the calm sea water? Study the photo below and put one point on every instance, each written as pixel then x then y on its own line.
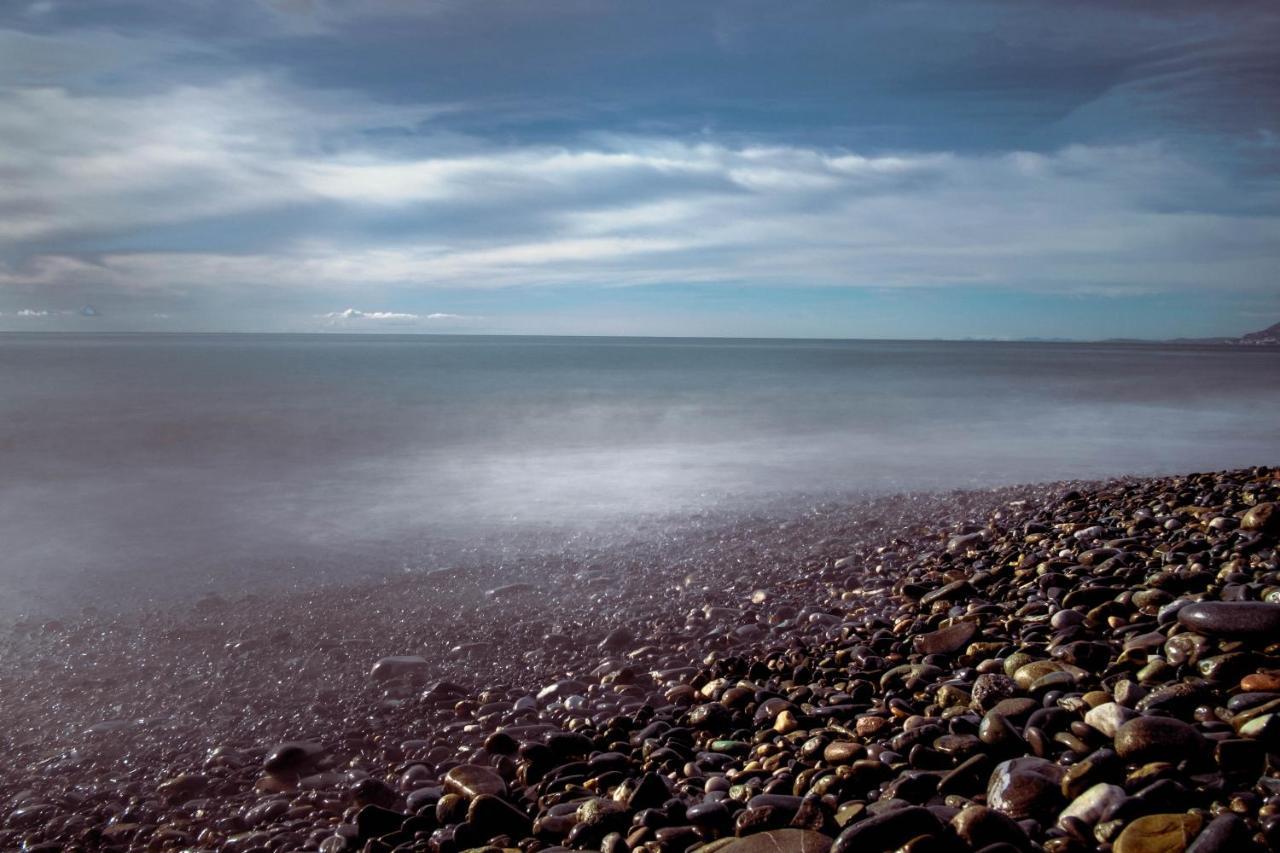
pixel 141 465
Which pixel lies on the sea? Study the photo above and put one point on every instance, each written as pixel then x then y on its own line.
pixel 143 468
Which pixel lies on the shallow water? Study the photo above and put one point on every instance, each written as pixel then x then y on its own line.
pixel 137 466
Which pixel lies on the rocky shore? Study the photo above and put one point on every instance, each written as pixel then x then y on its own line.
pixel 1064 667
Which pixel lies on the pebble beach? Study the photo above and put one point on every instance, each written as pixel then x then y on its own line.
pixel 1059 667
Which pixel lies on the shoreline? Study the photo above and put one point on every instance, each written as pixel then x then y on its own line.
pixel 151 730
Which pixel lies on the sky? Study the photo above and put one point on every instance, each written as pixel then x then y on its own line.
pixel 905 169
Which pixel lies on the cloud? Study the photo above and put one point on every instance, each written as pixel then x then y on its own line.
pixel 653 210
pixel 239 180
pixel 79 165
pixel 354 314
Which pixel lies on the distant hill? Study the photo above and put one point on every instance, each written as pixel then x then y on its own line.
pixel 1269 336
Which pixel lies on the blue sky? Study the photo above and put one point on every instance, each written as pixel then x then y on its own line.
pixel 834 169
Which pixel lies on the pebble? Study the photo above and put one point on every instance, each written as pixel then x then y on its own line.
pixel 977 678
pixel 1264 516
pixel 1245 620
pixel 776 841
pixel 1090 806
pixel 471 780
pixel 1109 717
pixel 400 666
pixel 1025 787
pixel 1147 738
pixel 947 640
pixel 1159 833
pixel 888 831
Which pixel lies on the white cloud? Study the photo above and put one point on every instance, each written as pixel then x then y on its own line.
pixel 613 211
pixel 116 164
pixel 355 314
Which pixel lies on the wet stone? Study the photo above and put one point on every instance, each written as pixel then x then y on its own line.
pixel 1246 620
pixel 888 831
pixel 1025 787
pixel 843 752
pixel 1090 806
pixel 498 817
pixel 990 688
pixel 471 780
pixel 1159 833
pixel 1226 833
pixel 1261 682
pixel 947 640
pixel 981 827
pixel 1264 516
pixel 292 757
pixel 1109 717
pixel 775 841
pixel 954 591
pixel 1147 738
pixel 400 666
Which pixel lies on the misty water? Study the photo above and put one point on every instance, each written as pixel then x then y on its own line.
pixel 141 466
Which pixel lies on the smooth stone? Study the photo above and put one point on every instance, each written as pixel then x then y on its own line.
pixel 995 730
pixel 187 786
pixel 292 756
pixel 1147 738
pixel 981 827
pixel 1102 766
pixel 888 831
pixel 1109 717
pixel 1244 701
pixel 400 666
pixel 967 778
pixel 1027 675
pixel 953 591
pixel 1093 804
pixel 1261 682
pixel 1025 787
pixel 1226 832
pixel 265 812
pixel 421 797
pixel 843 752
pixel 650 792
pixel 1179 698
pixel 561 689
pixel 1257 620
pixel 472 780
pixel 960 544
pixel 1264 516
pixel 1265 727
pixel 713 813
pixel 498 817
pixel 775 841
pixel 1159 833
pixel 946 641
pixel 1017 708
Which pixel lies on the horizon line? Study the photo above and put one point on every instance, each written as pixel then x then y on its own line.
pixel 1032 339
